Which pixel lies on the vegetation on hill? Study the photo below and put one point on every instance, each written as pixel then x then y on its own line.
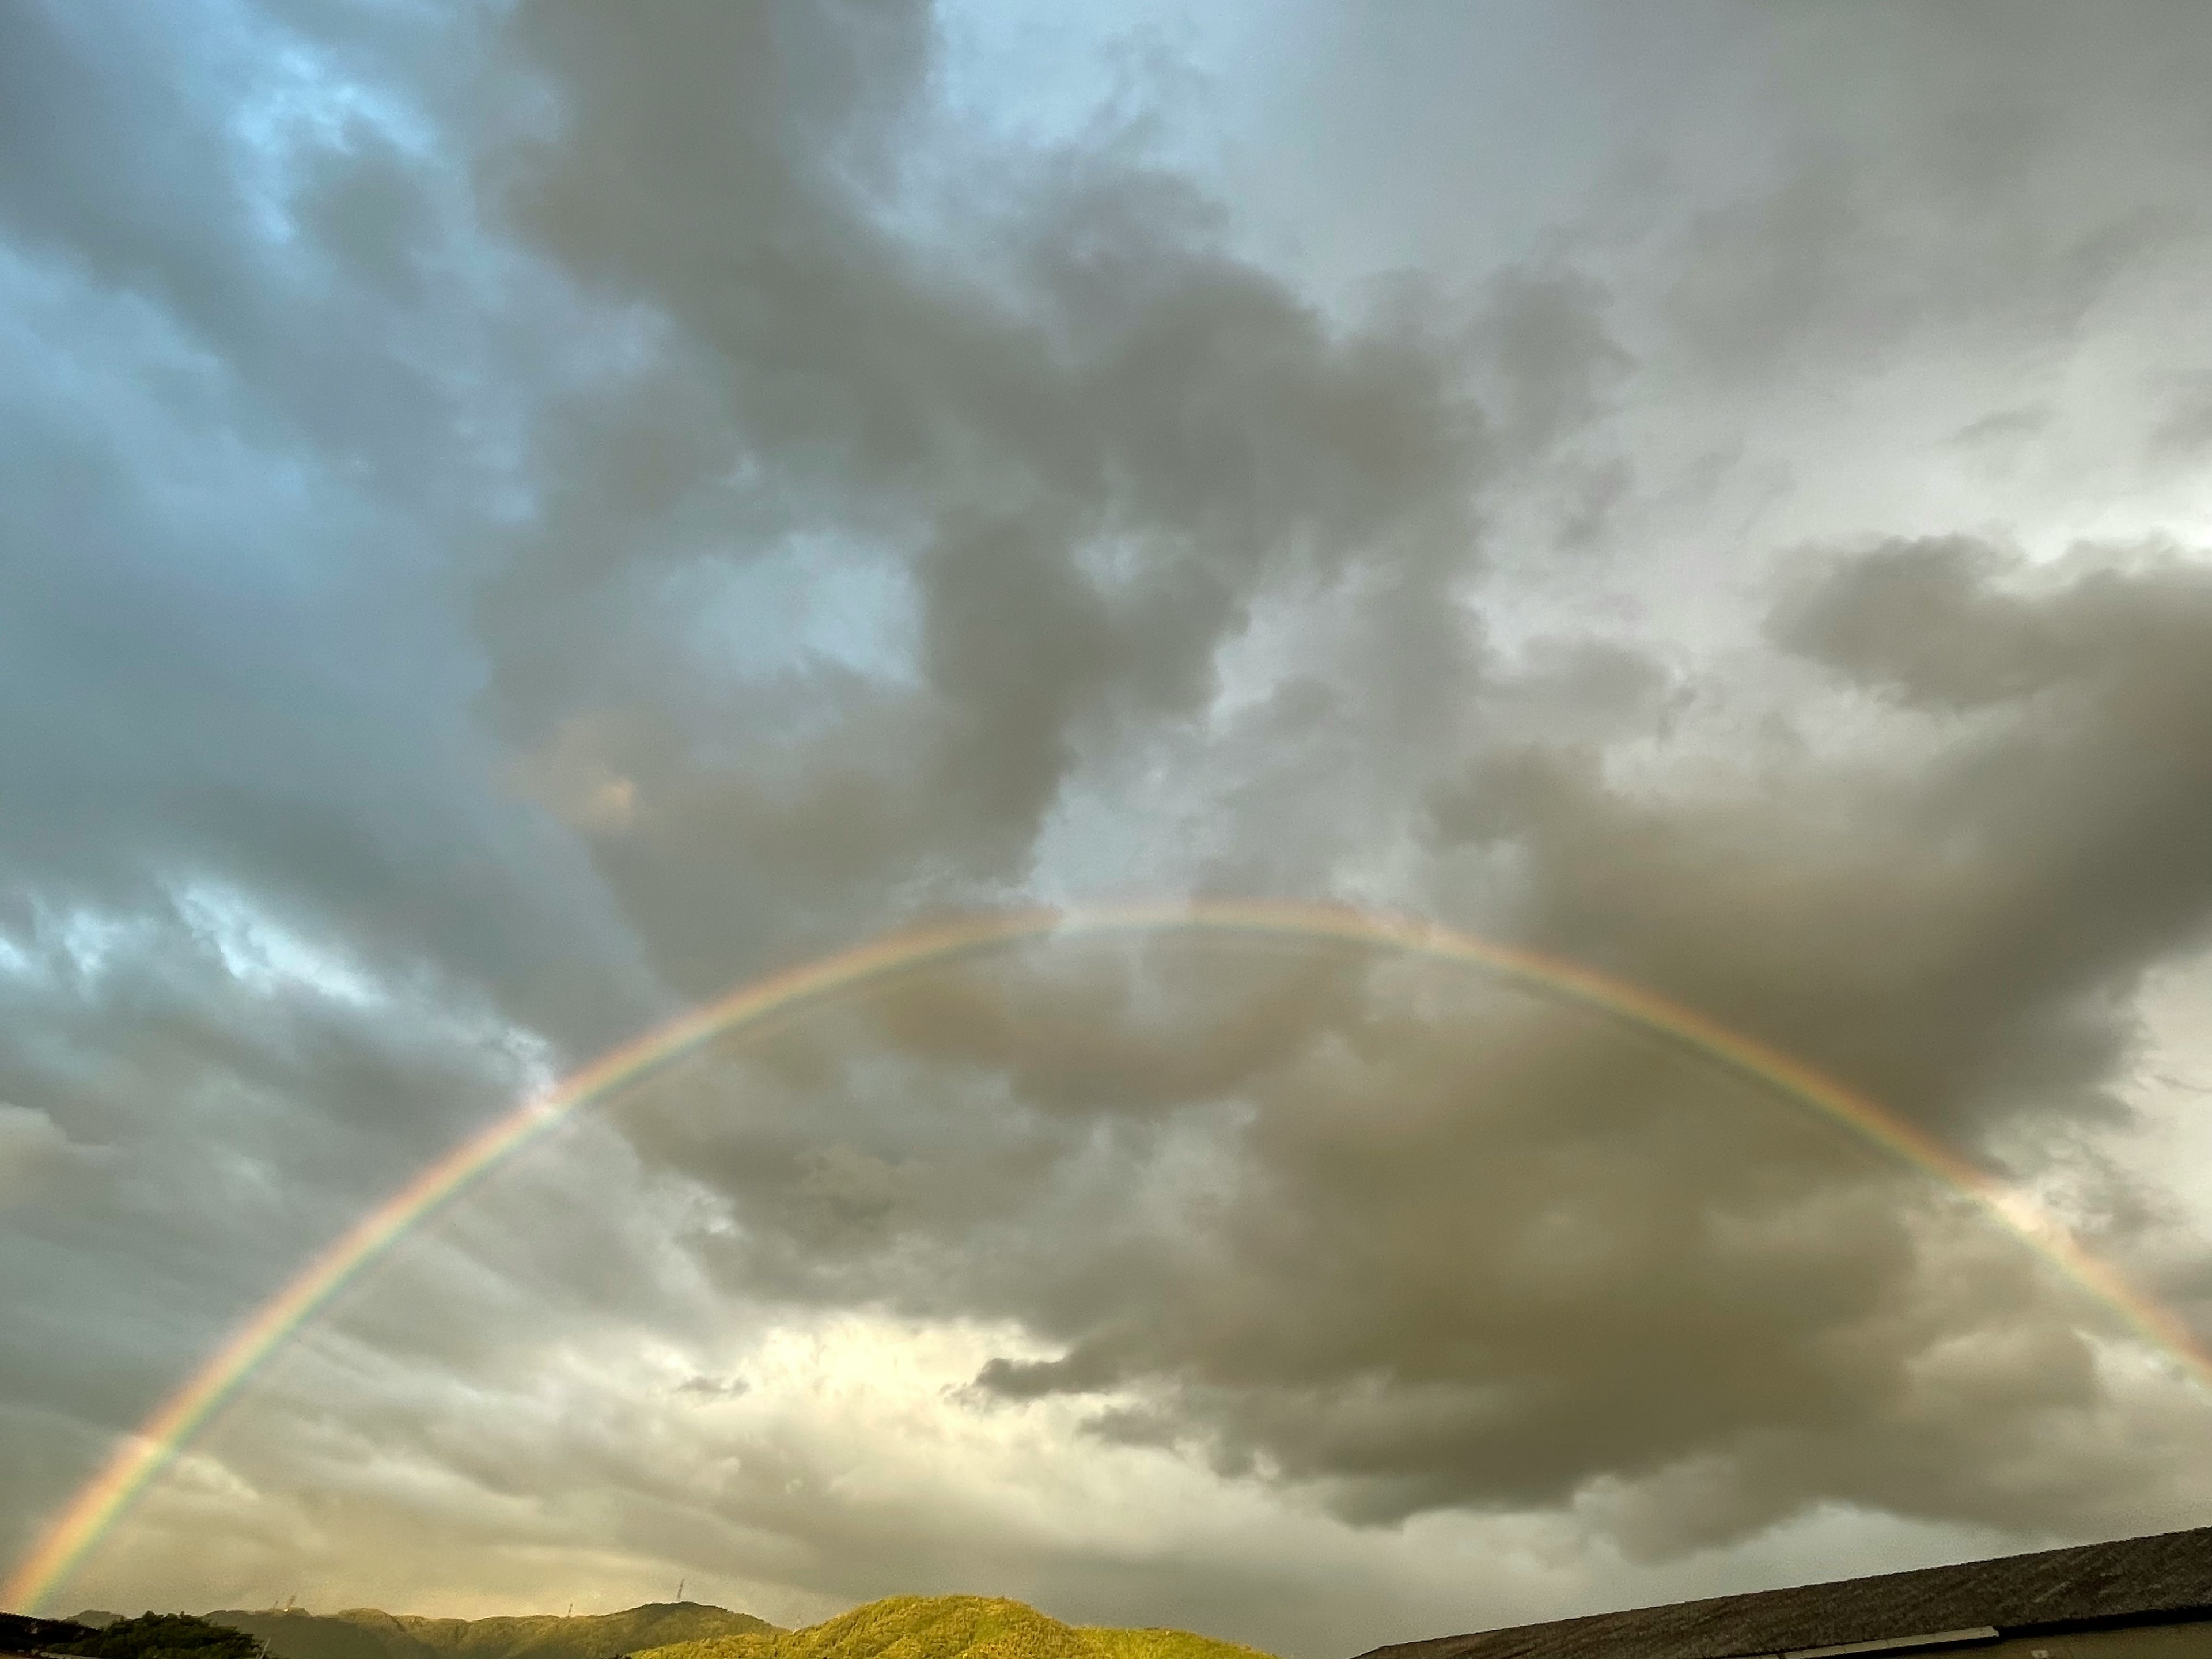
pixel 164 1635
pixel 1164 1645
pixel 19 1634
pixel 291 1635
pixel 590 1636
pixel 903 1627
pixel 907 1627
pixel 954 1627
pixel 368 1633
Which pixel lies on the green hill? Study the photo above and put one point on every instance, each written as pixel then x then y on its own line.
pixel 907 1627
pixel 953 1627
pixel 367 1633
pixel 903 1627
pixel 1165 1644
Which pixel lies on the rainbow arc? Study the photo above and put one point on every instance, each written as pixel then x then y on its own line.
pixel 142 1457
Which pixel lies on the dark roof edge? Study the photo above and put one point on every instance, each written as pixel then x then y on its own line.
pixel 2142 1617
pixel 2156 1612
pixel 1448 1647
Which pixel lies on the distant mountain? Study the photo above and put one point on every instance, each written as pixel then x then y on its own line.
pixel 290 1635
pixel 953 1627
pixel 368 1633
pixel 904 1627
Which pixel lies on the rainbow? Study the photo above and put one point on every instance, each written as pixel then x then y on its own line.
pixel 103 1499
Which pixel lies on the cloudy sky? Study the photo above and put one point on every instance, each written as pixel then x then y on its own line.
pixel 516 517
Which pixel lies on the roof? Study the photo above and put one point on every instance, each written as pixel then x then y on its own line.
pixel 2168 1576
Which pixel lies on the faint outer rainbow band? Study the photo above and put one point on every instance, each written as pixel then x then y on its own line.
pixel 102 1500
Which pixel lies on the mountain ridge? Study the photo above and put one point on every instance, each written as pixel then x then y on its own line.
pixel 372 1633
pixel 955 1627
pixel 896 1628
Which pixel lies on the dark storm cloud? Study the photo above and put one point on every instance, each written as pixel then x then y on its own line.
pixel 1972 919
pixel 1417 1247
pixel 401 503
pixel 234 703
pixel 251 691
pixel 1091 464
pixel 1574 1269
pixel 1957 927
pixel 228 656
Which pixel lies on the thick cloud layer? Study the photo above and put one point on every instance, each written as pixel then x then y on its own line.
pixel 1076 467
pixel 517 517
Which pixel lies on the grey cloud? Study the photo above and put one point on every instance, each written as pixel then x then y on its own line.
pixel 1449 1253
pixel 1997 172
pixel 1997 899
pixel 36 1157
pixel 231 657
pixel 1147 396
pixel 392 518
pixel 716 1387
pixel 232 680
pixel 1548 335
pixel 1468 1255
pixel 1100 469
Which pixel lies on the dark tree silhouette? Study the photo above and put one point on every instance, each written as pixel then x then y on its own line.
pixel 165 1636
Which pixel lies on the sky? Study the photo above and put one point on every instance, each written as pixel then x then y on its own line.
pixel 517 517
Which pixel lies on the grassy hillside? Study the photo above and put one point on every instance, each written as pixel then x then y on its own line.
pixel 907 1627
pixel 1164 1645
pixel 954 1627
pixel 904 1627
pixel 366 1633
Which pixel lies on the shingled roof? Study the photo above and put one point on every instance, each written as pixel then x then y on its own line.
pixel 2168 1576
